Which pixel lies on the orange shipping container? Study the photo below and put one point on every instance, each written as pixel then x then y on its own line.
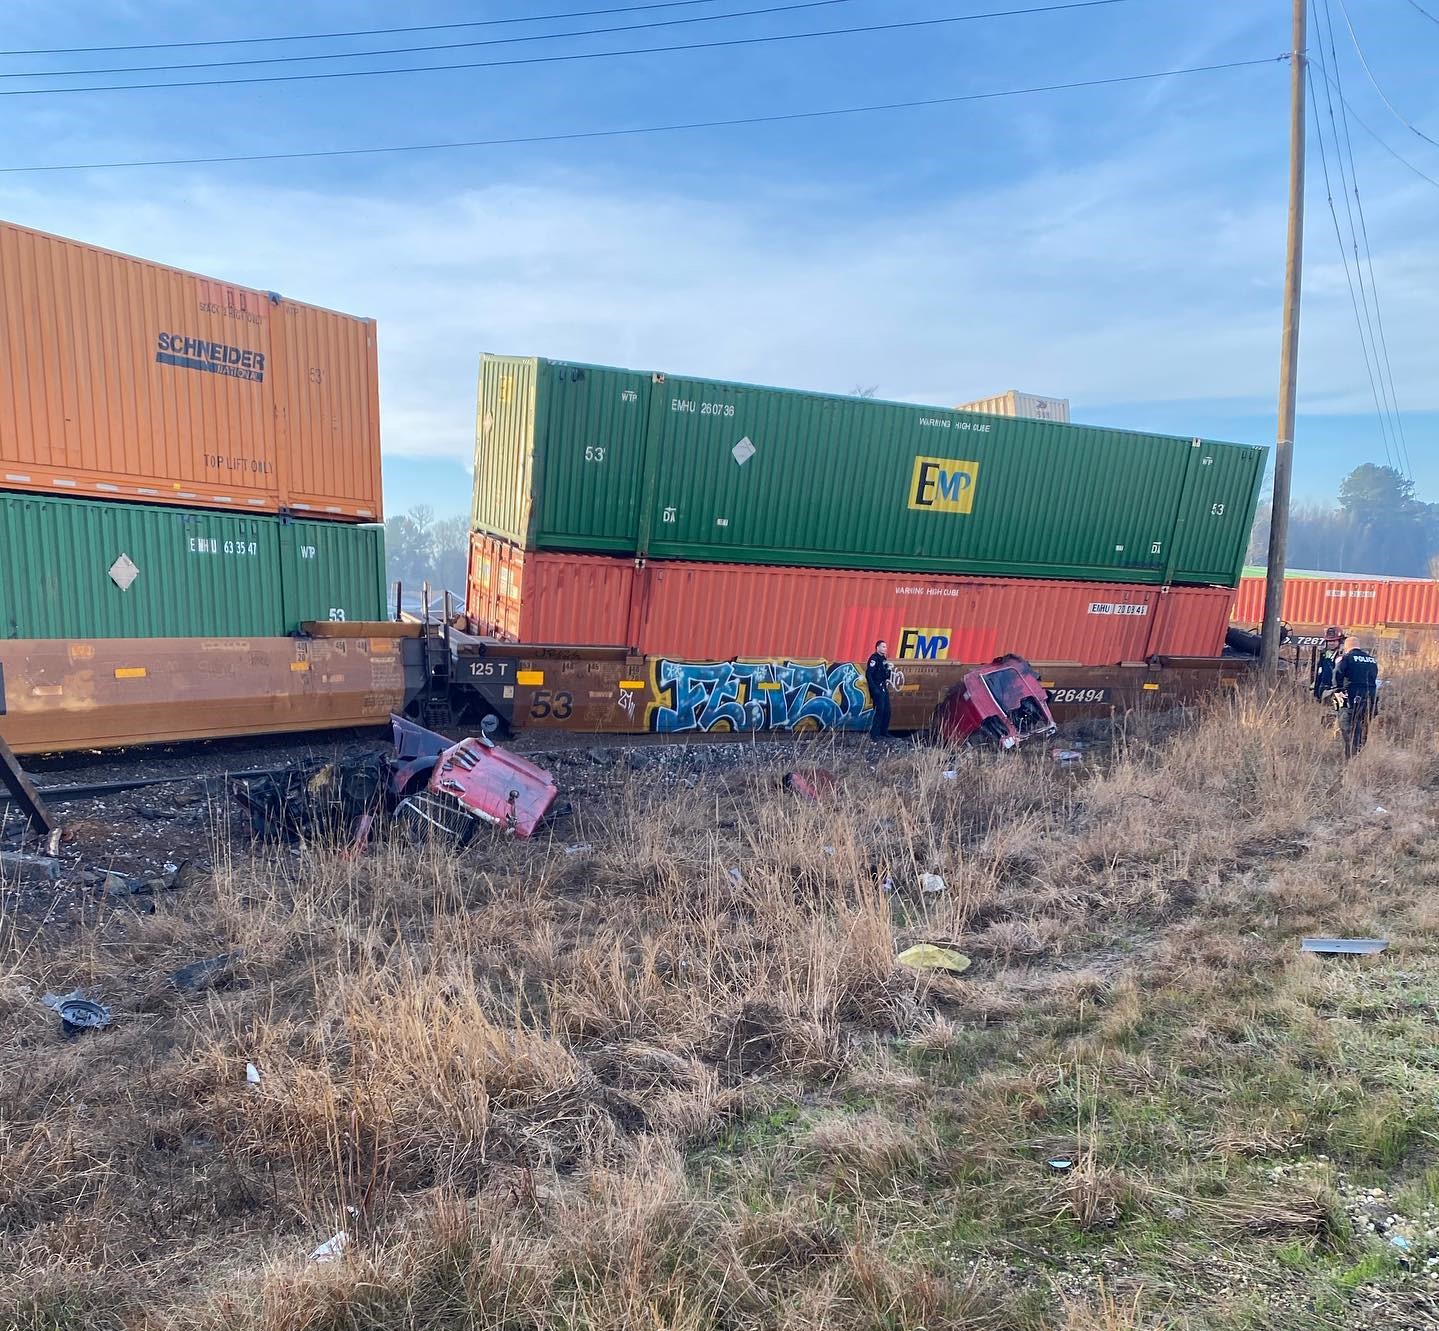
pixel 718 611
pixel 1352 603
pixel 124 379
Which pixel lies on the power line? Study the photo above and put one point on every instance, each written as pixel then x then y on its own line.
pixel 442 46
pixel 1384 143
pixel 556 59
pixel 1424 11
pixel 1348 276
pixel 1368 344
pixel 1382 350
pixel 1394 110
pixel 649 129
pixel 356 32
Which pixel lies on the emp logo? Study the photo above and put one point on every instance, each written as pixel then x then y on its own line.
pixel 924 644
pixel 943 485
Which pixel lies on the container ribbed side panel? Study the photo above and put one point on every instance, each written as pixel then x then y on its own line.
pixel 590 456
pixel 505 446
pixel 548 598
pixel 1412 602
pixel 125 379
pixel 333 571
pixel 197 573
pixel 718 611
pixel 1216 513
pixel 327 412
pixel 844 482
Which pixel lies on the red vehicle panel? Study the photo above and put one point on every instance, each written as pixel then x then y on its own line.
pixel 1002 703
pixel 494 784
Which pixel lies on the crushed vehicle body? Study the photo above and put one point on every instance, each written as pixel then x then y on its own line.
pixel 431 785
pixel 1003 704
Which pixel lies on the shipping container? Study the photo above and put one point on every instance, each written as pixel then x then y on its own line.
pixel 720 611
pixel 592 460
pixel 332 571
pixel 1015 403
pixel 1352 601
pixel 125 379
pixel 72 568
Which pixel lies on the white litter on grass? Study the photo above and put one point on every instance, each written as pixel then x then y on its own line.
pixel 951 775
pixel 252 1074
pixel 331 1248
pixel 1068 757
pixel 579 848
pixel 1380 809
pixel 828 850
pixel 736 876
pixel 932 882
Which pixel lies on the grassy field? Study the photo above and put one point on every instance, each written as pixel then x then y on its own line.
pixel 679 1082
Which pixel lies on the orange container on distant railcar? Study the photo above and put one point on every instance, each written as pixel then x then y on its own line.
pixel 700 612
pixel 125 379
pixel 1317 600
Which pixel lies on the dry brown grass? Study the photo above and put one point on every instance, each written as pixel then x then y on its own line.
pixel 628 1089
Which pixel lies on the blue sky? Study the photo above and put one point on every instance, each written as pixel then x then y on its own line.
pixel 1121 246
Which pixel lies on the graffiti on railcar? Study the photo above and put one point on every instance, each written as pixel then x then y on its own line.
pixel 741 696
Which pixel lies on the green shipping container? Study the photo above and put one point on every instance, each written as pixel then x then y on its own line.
pixel 581 458
pixel 88 569
pixel 332 571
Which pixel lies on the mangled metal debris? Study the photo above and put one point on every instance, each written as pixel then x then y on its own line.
pixel 1351 947
pixel 432 787
pixel 811 785
pixel 205 974
pixel 78 1013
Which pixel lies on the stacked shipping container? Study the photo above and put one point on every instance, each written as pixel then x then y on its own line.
pixel 122 379
pixel 721 611
pixel 754 491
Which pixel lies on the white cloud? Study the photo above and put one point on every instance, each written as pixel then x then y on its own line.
pixel 1136 280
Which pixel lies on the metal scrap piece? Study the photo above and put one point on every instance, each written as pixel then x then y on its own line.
pixel 1358 947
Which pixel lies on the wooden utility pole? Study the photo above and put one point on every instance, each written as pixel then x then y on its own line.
pixel 1289 354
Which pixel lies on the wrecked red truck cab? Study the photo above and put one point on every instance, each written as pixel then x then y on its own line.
pixel 1002 704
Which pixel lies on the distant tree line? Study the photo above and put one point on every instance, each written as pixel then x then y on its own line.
pixel 1378 526
pixel 421 548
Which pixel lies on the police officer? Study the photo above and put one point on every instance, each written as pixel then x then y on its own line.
pixel 1357 673
pixel 1330 650
pixel 876 675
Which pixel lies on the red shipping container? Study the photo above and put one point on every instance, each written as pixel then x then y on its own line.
pixel 1314 603
pixel 718 611
pixel 1412 601
pixel 566 598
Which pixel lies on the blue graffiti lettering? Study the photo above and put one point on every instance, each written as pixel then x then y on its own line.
pixel 757 695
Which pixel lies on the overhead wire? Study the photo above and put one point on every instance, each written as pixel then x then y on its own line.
pixel 1383 96
pixel 1382 348
pixel 1349 276
pixel 356 32
pixel 721 44
pixel 442 46
pixel 1425 12
pixel 576 135
pixel 1385 144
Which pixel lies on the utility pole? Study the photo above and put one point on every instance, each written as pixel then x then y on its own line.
pixel 1289 354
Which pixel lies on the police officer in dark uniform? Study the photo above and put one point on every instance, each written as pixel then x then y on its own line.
pixel 1330 651
pixel 876 675
pixel 1358 675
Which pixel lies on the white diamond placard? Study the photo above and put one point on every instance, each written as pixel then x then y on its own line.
pixel 743 451
pixel 123 572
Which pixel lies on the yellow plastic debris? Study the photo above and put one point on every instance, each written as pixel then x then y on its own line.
pixel 930 957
